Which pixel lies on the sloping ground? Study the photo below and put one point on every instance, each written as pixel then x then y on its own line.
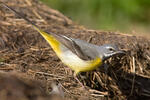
pixel 24 52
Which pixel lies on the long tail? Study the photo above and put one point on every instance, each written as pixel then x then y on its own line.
pixel 50 38
pixel 17 13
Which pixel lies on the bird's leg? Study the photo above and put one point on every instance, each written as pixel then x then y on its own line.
pixel 75 76
pixel 106 71
pixel 106 68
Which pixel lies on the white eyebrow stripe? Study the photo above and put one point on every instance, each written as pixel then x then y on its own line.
pixel 67 38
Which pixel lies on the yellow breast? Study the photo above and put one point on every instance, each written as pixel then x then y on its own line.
pixel 77 64
pixel 91 65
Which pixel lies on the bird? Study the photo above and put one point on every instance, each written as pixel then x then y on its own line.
pixel 77 54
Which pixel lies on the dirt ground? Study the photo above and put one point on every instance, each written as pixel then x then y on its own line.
pixel 29 67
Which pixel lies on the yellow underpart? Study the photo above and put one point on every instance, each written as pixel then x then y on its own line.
pixel 51 40
pixel 91 65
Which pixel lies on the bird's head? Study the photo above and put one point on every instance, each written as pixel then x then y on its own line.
pixel 108 50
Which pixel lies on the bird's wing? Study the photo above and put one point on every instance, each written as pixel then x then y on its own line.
pixel 88 49
pixel 73 46
pixel 68 42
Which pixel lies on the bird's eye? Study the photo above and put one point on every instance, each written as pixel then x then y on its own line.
pixel 111 49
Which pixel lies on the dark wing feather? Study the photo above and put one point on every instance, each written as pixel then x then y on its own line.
pixel 71 45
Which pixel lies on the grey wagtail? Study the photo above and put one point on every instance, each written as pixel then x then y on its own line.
pixel 77 54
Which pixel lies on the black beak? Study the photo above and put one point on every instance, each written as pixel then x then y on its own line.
pixel 119 53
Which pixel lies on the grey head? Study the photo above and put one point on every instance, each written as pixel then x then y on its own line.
pixel 108 50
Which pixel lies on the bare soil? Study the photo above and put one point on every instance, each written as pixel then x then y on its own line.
pixel 28 66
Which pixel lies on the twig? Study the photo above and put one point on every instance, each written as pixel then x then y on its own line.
pixel 65 88
pixel 98 92
pixel 133 76
pixel 97 95
pixel 43 73
pixel 28 2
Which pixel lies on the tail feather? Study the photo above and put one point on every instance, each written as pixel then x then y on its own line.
pixel 26 19
pixel 17 13
pixel 50 38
